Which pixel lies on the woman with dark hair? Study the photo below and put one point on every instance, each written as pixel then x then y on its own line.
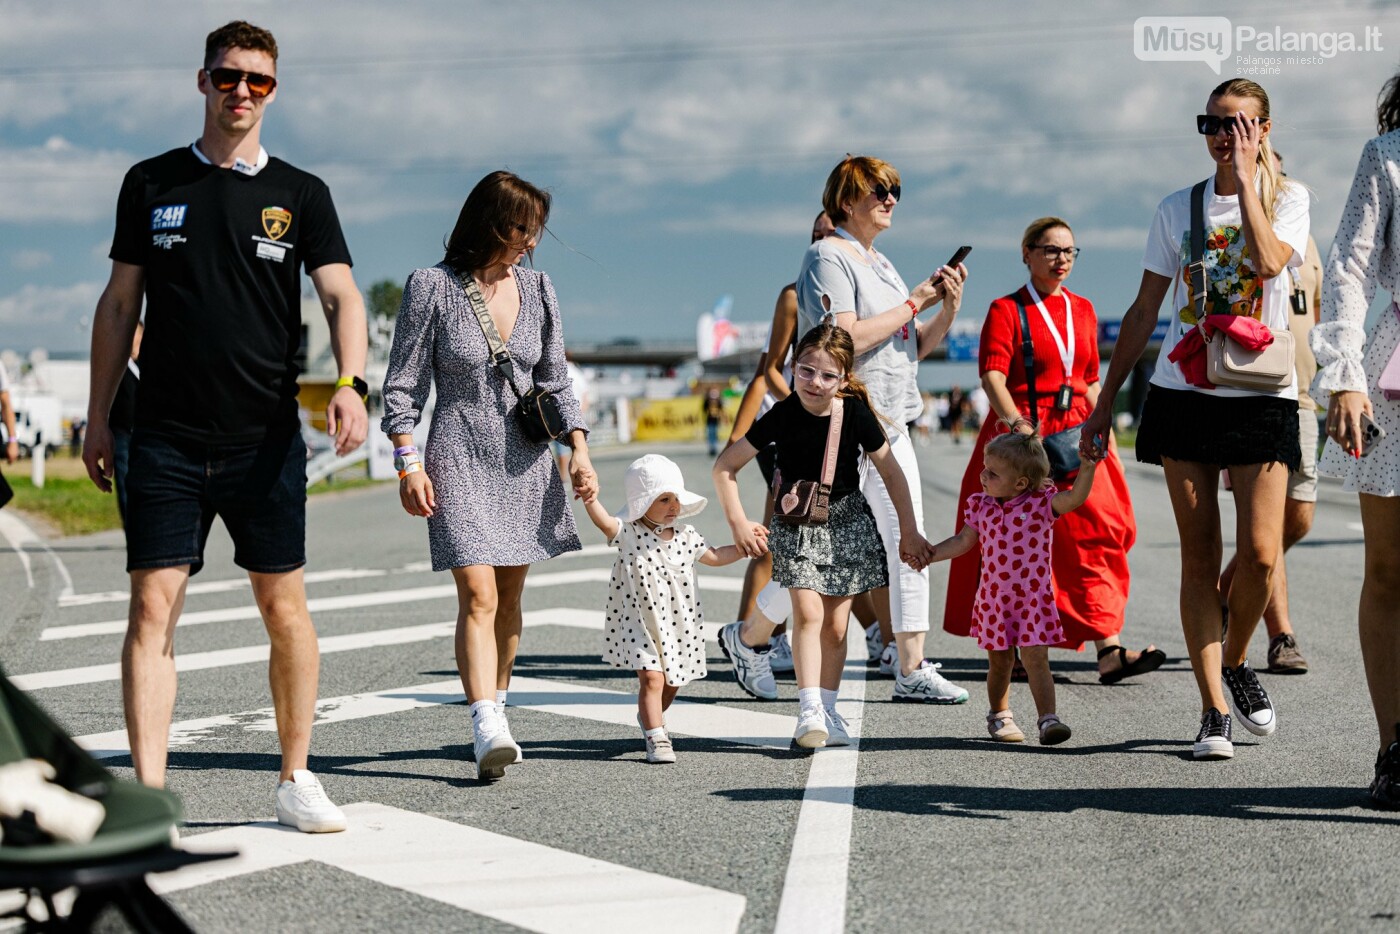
pixel 1089 562
pixel 494 502
pixel 1253 225
pixel 1360 372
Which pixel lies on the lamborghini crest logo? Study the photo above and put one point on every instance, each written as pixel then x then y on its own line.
pixel 276 221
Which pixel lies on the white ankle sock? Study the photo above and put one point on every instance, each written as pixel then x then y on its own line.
pixel 481 708
pixel 809 697
pixel 501 698
pixel 828 699
pixel 653 734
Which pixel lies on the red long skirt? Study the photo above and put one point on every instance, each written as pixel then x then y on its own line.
pixel 1089 559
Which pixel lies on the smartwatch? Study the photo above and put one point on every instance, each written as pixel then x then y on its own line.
pixel 354 382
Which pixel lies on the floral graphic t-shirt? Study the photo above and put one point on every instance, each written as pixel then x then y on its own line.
pixel 1232 285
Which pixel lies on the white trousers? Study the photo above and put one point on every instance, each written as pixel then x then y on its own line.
pixel 908 587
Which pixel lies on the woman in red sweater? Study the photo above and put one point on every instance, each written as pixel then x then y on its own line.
pixel 1090 557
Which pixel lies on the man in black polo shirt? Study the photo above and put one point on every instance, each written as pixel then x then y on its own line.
pixel 215 236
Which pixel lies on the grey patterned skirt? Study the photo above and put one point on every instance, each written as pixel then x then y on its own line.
pixel 840 558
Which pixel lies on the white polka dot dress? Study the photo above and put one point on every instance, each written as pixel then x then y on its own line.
pixel 653 620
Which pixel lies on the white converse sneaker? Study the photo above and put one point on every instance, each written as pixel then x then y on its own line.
pixel 751 667
pixel 837 730
pixel 926 686
pixel 874 642
pixel 519 753
pixel 811 732
pixel 660 750
pixel 302 803
pixel 780 653
pixel 889 661
pixel 492 745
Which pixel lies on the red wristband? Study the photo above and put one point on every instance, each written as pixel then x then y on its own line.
pixel 913 309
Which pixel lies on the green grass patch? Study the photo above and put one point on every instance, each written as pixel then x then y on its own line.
pixel 72 505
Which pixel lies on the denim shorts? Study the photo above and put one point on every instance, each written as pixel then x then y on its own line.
pixel 175 488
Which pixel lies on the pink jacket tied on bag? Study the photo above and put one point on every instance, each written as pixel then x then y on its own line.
pixel 1190 352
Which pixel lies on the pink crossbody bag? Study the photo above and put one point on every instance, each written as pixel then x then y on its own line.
pixel 1389 383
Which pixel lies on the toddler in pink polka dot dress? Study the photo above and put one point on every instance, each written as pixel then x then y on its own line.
pixel 1012 521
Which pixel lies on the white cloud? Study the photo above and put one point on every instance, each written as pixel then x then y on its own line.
pixel 26 260
pixel 52 316
pixel 59 182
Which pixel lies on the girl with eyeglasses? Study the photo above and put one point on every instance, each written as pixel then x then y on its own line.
pixel 1255 227
pixel 1090 556
pixel 825 563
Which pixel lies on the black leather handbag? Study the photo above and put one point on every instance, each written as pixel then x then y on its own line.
pixel 1062 448
pixel 537 410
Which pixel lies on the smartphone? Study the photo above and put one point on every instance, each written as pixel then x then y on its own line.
pixel 1371 434
pixel 958 257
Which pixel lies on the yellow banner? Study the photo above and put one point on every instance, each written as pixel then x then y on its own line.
pixel 680 419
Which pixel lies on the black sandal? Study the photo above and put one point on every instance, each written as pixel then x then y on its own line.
pixel 1147 660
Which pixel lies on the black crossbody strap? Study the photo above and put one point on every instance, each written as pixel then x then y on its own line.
pixel 499 355
pixel 1196 269
pixel 1028 356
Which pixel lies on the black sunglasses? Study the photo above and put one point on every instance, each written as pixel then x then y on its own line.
pixel 226 79
pixel 1209 124
pixel 882 192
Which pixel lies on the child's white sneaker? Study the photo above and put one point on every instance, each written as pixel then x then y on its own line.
pixel 837 730
pixel 660 750
pixel 889 661
pixel 780 653
pixel 811 732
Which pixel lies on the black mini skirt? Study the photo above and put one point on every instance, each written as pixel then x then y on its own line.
pixel 1220 430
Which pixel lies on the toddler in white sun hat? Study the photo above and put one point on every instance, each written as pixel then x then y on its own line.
pixel 653 622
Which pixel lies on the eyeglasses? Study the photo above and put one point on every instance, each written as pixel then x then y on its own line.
pixel 881 191
pixel 227 79
pixel 811 374
pixel 1053 253
pixel 1209 124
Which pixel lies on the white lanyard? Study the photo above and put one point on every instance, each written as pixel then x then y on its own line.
pixel 882 266
pixel 1064 345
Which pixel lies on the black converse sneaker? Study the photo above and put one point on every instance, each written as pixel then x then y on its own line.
pixel 1213 741
pixel 1251 702
pixel 1385 788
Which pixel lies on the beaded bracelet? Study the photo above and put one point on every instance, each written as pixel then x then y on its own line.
pixel 913 309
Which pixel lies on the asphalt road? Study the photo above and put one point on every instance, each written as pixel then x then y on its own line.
pixel 1118 829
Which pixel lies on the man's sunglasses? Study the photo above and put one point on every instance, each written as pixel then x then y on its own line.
pixel 227 79
pixel 881 191
pixel 1209 124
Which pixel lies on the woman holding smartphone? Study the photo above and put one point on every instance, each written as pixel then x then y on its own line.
pixel 1256 226
pixel 845 277
pixel 1352 368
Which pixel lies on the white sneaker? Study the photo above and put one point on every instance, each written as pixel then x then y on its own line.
pixel 925 685
pixel 302 803
pixel 751 667
pixel 519 753
pixel 780 653
pixel 492 746
pixel 811 732
pixel 660 750
pixel 837 730
pixel 889 661
pixel 874 642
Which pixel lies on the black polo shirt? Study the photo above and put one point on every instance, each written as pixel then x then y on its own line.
pixel 222 252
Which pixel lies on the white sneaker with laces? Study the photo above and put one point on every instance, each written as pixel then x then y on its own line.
pixel 924 685
pixel 889 661
pixel 302 803
pixel 519 753
pixel 874 642
pixel 811 732
pixel 837 730
pixel 492 746
pixel 780 653
pixel 751 667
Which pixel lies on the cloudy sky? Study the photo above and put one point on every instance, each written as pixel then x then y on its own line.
pixel 685 144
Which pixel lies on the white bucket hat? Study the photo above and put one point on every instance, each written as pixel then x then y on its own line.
pixel 647 478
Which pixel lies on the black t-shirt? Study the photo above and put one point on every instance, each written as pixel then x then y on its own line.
pixel 222 253
pixel 801 440
pixel 123 414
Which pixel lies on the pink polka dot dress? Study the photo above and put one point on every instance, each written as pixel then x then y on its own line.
pixel 1015 600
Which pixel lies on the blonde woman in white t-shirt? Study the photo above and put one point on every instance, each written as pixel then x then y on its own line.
pixel 1256 226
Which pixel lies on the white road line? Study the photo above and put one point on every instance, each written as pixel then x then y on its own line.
pixel 525 884
pixel 360 600
pixel 814 891
pixel 562 698
pixel 21 537
pixel 312 577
